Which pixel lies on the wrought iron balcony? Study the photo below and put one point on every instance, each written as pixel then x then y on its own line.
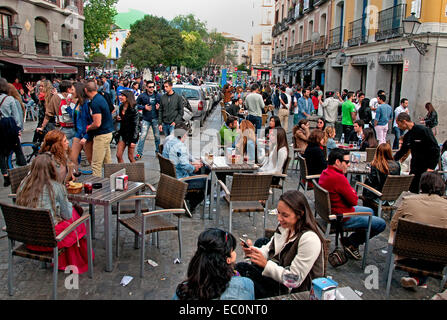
pixel 9 44
pixel 307 48
pixel 336 38
pixel 320 46
pixel 390 22
pixel 357 33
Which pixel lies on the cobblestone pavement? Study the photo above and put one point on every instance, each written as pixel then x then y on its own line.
pixel 32 282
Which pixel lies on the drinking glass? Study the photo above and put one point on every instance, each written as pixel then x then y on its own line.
pixel 291 281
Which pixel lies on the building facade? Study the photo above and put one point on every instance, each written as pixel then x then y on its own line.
pixel 113 47
pixel 51 40
pixel 364 48
pixel 261 43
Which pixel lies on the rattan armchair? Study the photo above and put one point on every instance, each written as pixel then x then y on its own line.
pixel 392 189
pixel 169 197
pixel 421 248
pixel 370 154
pixel 304 178
pixel 16 177
pixel 36 227
pixel 167 167
pixel 324 211
pixel 282 179
pixel 249 193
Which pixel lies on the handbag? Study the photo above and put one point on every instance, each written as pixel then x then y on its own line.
pixel 338 257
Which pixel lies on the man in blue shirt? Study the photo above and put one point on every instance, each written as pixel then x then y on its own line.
pixel 101 129
pixel 149 103
pixel 384 114
pixel 305 105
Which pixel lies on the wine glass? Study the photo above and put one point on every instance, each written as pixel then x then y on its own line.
pixel 291 281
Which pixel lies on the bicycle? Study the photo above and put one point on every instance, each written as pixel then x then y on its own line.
pixel 30 151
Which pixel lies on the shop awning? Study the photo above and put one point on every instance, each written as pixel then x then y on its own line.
pixel 313 64
pixel 41 66
pixel 290 67
pixel 300 66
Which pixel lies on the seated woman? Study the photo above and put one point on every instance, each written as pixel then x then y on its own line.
pixel 321 124
pixel 315 159
pixel 301 134
pixel 369 139
pixel 41 189
pixel 211 273
pixel 56 143
pixel 382 166
pixel 428 207
pixel 297 246
pixel 279 152
pixel 246 142
pixel 330 135
pixel 274 123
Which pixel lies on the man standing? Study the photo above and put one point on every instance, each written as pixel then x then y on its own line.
pixel 305 105
pixel 397 132
pixel 59 108
pixel 374 103
pixel 101 129
pixel 105 85
pixel 424 148
pixel 349 114
pixel 255 104
pixel 284 112
pixel 171 111
pixel 149 104
pixel 384 114
pixel 344 200
pixel 330 107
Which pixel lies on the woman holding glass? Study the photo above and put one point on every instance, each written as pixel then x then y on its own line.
pixel 297 248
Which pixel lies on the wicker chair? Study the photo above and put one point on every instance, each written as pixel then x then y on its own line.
pixel 36 227
pixel 246 193
pixel 324 211
pixel 392 189
pixel 224 115
pixel 423 249
pixel 16 176
pixel 264 119
pixel 167 167
pixel 370 154
pixel 304 175
pixel 282 178
pixel 296 153
pixel 170 197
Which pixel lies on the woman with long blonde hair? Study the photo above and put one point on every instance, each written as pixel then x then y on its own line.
pixel 56 143
pixel 40 189
pixel 246 144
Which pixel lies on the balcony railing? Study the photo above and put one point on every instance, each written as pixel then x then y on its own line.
pixel 320 46
pixel 390 22
pixel 357 33
pixel 336 38
pixel 9 44
pixel 307 48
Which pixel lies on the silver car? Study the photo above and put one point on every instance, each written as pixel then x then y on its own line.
pixel 196 98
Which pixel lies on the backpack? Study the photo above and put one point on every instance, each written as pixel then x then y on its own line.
pixel 284 98
pixel 338 257
pixel 109 101
pixel 64 116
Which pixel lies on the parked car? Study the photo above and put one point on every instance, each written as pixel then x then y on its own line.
pixel 196 98
pixel 209 92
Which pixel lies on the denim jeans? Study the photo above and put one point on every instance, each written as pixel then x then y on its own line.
pixel 359 237
pixel 397 133
pixel 257 122
pixel 70 133
pixel 144 132
pixel 168 129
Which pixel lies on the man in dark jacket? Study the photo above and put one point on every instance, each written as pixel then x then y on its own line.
pixel 149 103
pixel 171 110
pixel 424 148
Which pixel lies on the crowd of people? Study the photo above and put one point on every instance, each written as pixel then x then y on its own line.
pixel 82 115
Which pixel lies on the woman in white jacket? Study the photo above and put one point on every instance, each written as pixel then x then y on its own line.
pixel 279 152
pixel 297 246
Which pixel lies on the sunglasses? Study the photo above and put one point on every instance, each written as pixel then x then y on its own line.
pixel 151 87
pixel 346 161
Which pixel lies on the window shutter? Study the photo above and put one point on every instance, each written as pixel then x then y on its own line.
pixel 41 32
pixel 65 34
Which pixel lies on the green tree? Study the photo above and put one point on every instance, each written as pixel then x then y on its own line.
pixel 99 19
pixel 152 41
pixel 242 67
pixel 196 54
pixel 190 23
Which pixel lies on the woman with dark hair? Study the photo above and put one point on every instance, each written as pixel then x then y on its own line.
pixel 129 132
pixel 321 124
pixel 41 189
pixel 296 247
pixel 428 207
pixel 431 119
pixel 211 273
pixel 382 166
pixel 81 119
pixel 369 139
pixel 315 159
pixel 274 123
pixel 279 152
pixel 301 134
pixel 365 113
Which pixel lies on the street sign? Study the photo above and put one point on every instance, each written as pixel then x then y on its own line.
pixel 406 65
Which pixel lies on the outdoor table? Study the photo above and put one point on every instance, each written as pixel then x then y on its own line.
pixel 345 293
pixel 363 169
pixel 219 165
pixel 347 147
pixel 104 197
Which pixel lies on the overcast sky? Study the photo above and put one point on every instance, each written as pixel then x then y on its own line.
pixel 232 16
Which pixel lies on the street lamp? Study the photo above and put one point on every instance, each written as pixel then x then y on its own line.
pixel 411 26
pixel 16 30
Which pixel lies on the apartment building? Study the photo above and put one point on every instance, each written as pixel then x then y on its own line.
pixel 41 37
pixel 364 47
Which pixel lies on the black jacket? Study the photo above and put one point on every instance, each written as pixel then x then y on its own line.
pixel 171 109
pixel 316 163
pixel 425 151
pixel 376 178
pixel 130 125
